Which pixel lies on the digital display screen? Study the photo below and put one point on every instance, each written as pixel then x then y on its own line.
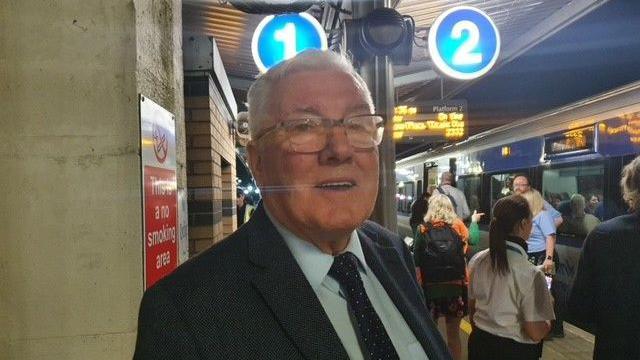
pixel 582 140
pixel 439 121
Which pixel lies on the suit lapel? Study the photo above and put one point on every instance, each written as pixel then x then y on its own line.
pixel 287 292
pixel 388 267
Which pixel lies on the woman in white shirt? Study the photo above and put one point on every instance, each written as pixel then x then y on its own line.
pixel 510 306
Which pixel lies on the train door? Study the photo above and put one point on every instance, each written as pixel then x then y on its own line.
pixel 432 176
pixel 577 192
pixel 471 186
pixel 405 194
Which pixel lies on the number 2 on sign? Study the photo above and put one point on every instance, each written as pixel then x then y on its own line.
pixel 287 35
pixel 465 55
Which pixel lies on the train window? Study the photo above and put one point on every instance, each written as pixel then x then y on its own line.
pixel 472 187
pixel 501 186
pixel 405 194
pixel 577 193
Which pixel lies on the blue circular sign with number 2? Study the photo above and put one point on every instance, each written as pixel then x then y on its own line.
pixel 464 43
pixel 281 37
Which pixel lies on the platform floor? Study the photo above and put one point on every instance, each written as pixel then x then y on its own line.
pixel 576 345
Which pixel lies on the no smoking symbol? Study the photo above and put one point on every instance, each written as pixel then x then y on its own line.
pixel 160 144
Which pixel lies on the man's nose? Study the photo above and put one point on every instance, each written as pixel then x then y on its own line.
pixel 338 148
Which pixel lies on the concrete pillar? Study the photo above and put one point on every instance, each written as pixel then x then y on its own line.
pixel 71 267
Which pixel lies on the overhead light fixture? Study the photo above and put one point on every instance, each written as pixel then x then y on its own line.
pixel 272 6
pixel 383 32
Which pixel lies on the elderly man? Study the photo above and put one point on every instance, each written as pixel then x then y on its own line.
pixel 307 277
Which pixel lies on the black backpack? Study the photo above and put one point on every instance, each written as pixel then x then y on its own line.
pixel 441 258
pixel 453 201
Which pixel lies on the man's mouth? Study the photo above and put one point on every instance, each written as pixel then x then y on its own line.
pixel 336 185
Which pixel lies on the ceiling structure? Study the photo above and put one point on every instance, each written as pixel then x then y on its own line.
pixel 521 23
pixel 553 52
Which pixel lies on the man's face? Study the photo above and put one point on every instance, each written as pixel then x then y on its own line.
pixel 240 200
pixel 331 190
pixel 520 185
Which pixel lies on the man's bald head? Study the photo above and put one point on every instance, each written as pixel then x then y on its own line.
pixel 446 178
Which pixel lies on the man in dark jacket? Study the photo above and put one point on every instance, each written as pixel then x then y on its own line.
pixel 307 277
pixel 606 290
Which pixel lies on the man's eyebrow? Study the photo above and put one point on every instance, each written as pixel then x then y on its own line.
pixel 360 108
pixel 309 109
pixel 313 109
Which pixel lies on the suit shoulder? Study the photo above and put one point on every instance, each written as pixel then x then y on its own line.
pixel 618 225
pixel 380 234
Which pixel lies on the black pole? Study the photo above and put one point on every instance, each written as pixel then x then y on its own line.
pixel 378 74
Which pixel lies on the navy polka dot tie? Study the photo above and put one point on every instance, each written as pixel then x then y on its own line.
pixel 377 343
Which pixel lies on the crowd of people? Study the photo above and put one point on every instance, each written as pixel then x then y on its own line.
pixel 508 290
pixel 308 276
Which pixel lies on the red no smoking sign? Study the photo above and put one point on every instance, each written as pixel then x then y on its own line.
pixel 159 194
pixel 161 231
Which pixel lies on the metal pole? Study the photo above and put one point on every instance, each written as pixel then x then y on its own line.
pixel 378 74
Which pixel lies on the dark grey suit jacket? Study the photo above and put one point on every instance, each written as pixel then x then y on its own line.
pixel 247 298
pixel 606 290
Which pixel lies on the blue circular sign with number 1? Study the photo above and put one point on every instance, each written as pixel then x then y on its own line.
pixel 464 43
pixel 281 37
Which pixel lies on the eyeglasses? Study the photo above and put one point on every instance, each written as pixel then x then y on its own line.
pixel 310 134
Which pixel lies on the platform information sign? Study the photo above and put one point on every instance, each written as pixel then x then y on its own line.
pixel 464 43
pixel 281 37
pixel 159 191
pixel 433 121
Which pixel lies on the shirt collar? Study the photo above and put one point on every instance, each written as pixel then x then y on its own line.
pixel 516 248
pixel 314 263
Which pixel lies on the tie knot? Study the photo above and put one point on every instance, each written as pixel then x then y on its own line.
pixel 345 266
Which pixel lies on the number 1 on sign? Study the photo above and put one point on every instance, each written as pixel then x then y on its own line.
pixel 464 54
pixel 287 35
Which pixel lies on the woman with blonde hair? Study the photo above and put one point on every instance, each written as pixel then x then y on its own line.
pixel 542 241
pixel 440 247
pixel 541 252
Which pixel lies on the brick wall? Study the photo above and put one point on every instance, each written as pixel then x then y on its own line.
pixel 211 164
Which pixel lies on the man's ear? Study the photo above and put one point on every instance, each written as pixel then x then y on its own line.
pixel 255 160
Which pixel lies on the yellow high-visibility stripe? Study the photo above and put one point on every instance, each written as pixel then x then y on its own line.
pixel 465 326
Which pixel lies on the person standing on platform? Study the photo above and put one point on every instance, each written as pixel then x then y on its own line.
pixel 456 196
pixel 244 209
pixel 441 243
pixel 542 250
pixel 241 206
pixel 522 185
pixel 307 277
pixel 419 209
pixel 606 289
pixel 510 306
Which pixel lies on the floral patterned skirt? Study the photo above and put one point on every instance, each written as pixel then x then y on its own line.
pixel 447 300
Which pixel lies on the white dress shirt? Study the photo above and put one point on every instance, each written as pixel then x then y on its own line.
pixel 504 302
pixel 315 265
